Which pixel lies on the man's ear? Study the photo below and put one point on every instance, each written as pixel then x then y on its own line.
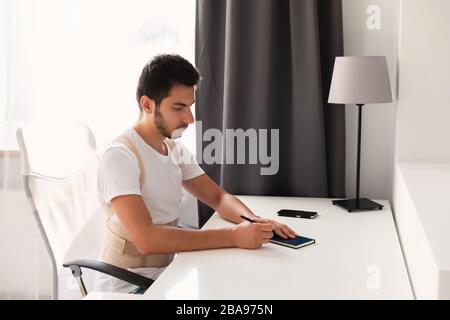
pixel 147 104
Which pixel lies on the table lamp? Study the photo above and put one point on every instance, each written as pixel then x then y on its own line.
pixel 359 80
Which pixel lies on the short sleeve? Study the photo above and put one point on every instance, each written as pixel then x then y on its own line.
pixel 188 164
pixel 118 173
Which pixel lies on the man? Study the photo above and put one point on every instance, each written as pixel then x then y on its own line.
pixel 140 178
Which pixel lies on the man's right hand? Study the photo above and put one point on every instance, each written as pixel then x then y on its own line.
pixel 251 235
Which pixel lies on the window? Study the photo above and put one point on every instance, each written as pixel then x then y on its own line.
pixel 80 60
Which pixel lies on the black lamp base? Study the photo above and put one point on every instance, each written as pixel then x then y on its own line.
pixel 361 204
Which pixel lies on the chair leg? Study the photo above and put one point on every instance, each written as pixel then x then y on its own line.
pixel 76 272
pixel 81 286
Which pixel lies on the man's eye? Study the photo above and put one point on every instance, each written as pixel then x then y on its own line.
pixel 178 108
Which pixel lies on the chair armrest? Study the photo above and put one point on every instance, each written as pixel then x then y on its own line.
pixel 111 270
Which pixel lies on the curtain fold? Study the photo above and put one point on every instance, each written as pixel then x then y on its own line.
pixel 267 64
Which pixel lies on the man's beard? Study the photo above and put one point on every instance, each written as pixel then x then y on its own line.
pixel 161 124
pixel 162 127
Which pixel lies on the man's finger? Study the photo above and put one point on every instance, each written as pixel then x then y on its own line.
pixel 281 233
pixel 267 234
pixel 289 232
pixel 267 227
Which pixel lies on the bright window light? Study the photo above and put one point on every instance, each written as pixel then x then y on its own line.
pixel 80 60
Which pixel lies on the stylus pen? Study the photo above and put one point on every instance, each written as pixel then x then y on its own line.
pixel 248 219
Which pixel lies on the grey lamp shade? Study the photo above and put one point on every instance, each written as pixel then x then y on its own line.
pixel 360 80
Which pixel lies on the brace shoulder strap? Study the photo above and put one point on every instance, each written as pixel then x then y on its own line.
pixel 128 143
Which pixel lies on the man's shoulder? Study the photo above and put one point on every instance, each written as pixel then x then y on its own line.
pixel 116 152
pixel 115 146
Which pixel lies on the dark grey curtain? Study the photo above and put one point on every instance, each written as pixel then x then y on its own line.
pixel 267 64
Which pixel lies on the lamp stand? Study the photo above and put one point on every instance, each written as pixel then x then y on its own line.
pixel 358 204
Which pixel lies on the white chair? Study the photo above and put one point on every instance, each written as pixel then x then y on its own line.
pixel 59 163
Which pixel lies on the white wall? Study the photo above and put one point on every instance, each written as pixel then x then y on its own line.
pixel 378 120
pixel 424 73
pixel 24 271
pixel 423 142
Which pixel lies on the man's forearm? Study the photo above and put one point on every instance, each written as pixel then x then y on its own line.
pixel 164 239
pixel 231 208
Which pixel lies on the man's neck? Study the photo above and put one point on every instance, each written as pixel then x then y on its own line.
pixel 151 136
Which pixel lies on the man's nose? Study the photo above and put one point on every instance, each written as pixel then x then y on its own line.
pixel 189 117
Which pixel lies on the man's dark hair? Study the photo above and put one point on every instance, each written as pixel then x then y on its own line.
pixel 162 73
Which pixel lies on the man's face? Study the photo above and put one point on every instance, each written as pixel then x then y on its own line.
pixel 174 111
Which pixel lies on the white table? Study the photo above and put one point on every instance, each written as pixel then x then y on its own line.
pixel 356 256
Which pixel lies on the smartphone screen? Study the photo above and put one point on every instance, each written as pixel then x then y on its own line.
pixel 297 214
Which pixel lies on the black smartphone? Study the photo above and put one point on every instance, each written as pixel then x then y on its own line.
pixel 297 214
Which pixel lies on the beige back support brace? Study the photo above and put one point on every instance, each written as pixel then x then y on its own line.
pixel 118 249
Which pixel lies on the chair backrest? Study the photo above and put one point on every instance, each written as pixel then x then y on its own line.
pixel 59 164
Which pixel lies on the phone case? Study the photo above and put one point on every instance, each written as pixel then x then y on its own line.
pixel 297 214
pixel 296 243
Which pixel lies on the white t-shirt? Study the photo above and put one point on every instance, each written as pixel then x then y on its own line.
pixel 118 174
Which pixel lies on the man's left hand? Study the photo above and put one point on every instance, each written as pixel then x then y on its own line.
pixel 279 228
